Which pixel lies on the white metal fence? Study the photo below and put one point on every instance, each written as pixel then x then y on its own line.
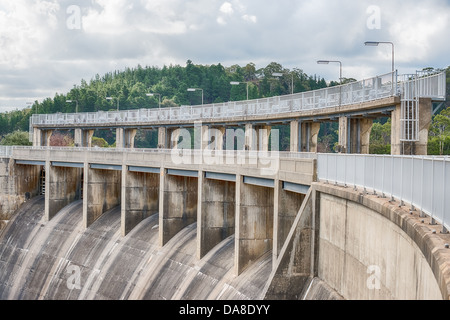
pixel 421 181
pixel 5 151
pixel 379 87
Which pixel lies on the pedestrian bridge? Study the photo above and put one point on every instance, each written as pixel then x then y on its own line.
pixel 410 101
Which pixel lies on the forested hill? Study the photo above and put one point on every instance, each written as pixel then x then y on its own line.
pixel 129 89
pixel 130 86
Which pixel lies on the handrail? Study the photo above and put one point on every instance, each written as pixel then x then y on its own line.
pixel 371 89
pixel 421 181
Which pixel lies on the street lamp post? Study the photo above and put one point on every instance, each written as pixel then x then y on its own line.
pixel 195 89
pixel 375 44
pixel 153 94
pixel 111 98
pixel 279 74
pixel 236 83
pixel 340 68
pixel 340 76
pixel 76 101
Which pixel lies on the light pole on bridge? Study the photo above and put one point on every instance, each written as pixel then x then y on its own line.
pixel 153 94
pixel 111 98
pixel 76 101
pixel 196 89
pixel 340 76
pixel 236 83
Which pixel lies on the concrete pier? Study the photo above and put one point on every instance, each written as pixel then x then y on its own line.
pixel 140 197
pixel 179 192
pixel 63 186
pixel 102 192
pixel 254 222
pixel 216 222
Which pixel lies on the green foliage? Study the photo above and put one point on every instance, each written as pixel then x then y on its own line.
pixel 380 138
pixel 439 137
pixel 16 138
pixel 99 142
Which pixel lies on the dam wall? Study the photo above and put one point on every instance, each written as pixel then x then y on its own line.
pixel 179 233
pixel 349 244
pixel 17 185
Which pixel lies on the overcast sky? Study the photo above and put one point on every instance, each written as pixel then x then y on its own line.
pixel 47 47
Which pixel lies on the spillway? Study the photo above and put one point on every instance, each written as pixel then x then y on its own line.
pixel 60 260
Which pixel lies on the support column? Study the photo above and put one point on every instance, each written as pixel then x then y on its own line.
pixel 216 138
pixel 125 138
pixel 295 135
pixel 37 137
pixel 250 137
pixel 217 208
pixel 101 192
pixel 263 134
pixel 174 137
pixel 140 194
pixel 201 136
pixel 179 209
pixel 365 126
pixel 62 187
pixel 254 223
pixel 354 135
pixel 162 138
pixel 309 136
pixel 343 146
pixel 83 138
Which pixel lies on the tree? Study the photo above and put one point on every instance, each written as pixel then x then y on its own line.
pixel 440 129
pixel 17 138
pixel 380 138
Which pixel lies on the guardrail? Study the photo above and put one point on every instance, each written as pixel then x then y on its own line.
pixel 421 181
pixel 5 151
pixel 375 88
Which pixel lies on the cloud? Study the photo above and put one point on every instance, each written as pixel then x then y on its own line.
pixel 226 8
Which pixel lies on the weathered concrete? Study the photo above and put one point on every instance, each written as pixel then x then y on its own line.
pixel 125 137
pixel 18 183
pixel 179 204
pixel 286 209
pixel 83 138
pixel 217 208
pixel 292 270
pixel 62 186
pixel 60 260
pixel 254 223
pixel 102 192
pixel 140 198
pixel 354 135
pixel 408 261
pixel 41 137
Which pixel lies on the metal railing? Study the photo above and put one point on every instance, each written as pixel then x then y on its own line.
pixel 5 151
pixel 421 181
pixel 375 88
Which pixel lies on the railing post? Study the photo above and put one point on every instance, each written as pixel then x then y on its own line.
pixel 401 182
pixel 421 189
pixel 433 221
pixel 444 229
pixel 412 185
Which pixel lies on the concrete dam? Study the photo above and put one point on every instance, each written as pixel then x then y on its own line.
pixel 280 240
pixel 231 218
